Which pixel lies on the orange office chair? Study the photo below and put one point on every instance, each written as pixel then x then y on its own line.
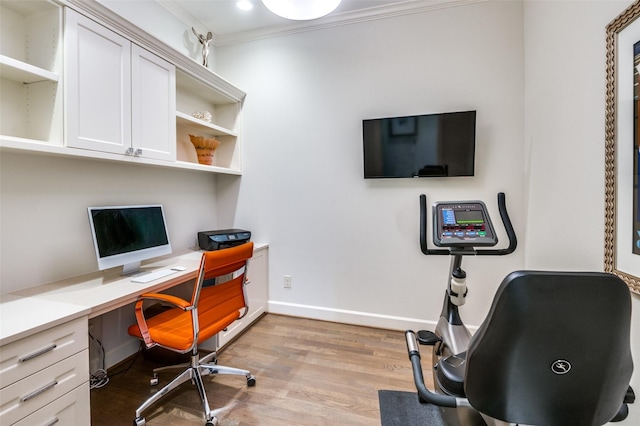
pixel 211 309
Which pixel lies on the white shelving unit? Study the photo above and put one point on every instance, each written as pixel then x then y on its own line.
pixel 34 115
pixel 193 96
pixel 31 107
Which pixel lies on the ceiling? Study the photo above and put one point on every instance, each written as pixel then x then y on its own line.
pixel 224 19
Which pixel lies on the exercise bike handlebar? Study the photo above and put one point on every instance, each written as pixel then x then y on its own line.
pixel 423 392
pixel 506 221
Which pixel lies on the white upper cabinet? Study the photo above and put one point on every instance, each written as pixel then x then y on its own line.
pixel 119 97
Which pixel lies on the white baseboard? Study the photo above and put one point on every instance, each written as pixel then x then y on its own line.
pixel 368 319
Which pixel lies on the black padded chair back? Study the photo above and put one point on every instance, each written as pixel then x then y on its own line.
pixel 554 350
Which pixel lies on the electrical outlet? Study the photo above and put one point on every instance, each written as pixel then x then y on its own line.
pixel 287 281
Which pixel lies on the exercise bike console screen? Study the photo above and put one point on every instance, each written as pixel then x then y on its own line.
pixel 462 224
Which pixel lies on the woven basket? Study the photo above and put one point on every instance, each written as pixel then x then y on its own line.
pixel 204 148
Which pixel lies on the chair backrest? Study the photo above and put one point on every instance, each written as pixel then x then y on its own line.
pixel 218 263
pixel 553 350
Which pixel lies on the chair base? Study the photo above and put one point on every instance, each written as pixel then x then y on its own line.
pixel 196 369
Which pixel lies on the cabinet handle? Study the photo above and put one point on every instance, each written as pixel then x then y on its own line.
pixel 129 151
pixel 37 353
pixel 39 391
pixel 138 152
pixel 52 422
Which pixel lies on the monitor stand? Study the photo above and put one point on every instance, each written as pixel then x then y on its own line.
pixel 130 268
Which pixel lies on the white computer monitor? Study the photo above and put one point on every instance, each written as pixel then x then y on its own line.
pixel 127 235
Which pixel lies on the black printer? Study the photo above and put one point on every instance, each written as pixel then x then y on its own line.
pixel 223 238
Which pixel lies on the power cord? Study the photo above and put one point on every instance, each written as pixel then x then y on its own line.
pixel 99 378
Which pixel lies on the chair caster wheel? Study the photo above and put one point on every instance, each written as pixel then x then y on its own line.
pixel 212 422
pixel 251 380
pixel 140 421
pixel 154 380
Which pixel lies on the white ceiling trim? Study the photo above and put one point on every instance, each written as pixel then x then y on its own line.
pixel 346 18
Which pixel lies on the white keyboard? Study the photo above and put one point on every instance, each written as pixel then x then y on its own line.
pixel 145 278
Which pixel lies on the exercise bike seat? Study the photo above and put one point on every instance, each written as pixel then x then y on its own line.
pixel 554 350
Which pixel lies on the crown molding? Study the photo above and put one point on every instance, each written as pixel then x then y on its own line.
pixel 347 18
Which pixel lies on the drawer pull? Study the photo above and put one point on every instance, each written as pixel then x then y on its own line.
pixel 52 422
pixel 37 353
pixel 39 391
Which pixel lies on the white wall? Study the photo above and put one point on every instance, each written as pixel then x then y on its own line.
pixel 565 95
pixel 44 225
pixel 352 244
pixel 564 128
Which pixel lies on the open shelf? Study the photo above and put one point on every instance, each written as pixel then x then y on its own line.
pixel 193 95
pixel 30 71
pixel 190 122
pixel 204 168
pixel 22 72
pixel 33 147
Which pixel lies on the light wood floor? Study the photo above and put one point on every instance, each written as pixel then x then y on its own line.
pixel 307 373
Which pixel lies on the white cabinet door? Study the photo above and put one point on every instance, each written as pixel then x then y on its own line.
pixel 120 98
pixel 153 105
pixel 97 86
pixel 258 287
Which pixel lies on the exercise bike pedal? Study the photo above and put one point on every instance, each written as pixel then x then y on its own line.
pixel 429 338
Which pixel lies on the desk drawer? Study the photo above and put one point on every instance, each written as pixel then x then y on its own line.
pixel 37 390
pixel 26 356
pixel 70 409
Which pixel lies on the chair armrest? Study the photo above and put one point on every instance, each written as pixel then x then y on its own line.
pixel 174 300
pixel 142 322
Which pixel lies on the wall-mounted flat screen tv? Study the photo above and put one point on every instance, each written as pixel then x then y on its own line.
pixel 433 145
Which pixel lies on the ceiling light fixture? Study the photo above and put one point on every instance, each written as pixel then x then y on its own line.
pixel 244 4
pixel 301 10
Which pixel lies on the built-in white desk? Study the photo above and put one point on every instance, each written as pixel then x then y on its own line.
pixel 28 311
pixel 44 335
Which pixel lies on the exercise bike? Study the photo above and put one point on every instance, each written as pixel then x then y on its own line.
pixel 531 361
